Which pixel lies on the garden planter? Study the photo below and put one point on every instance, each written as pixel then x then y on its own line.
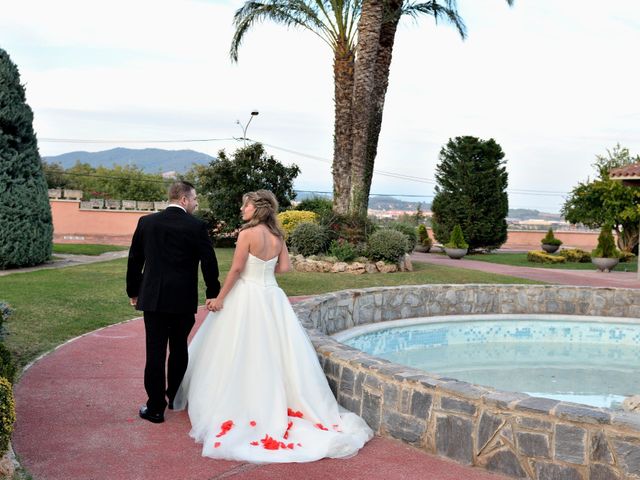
pixel 550 248
pixel 455 253
pixel 604 264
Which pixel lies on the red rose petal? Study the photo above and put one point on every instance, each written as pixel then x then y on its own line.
pixel 216 445
pixel 252 423
pixel 254 444
pixel 293 413
pixel 290 446
pixel 321 427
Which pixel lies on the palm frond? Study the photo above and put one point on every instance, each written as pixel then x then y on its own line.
pixel 290 13
pixel 444 9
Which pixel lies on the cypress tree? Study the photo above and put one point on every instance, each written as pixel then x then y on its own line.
pixel 471 191
pixel 26 229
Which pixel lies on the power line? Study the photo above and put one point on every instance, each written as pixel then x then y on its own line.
pixel 399 176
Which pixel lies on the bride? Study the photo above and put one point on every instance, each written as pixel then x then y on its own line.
pixel 254 389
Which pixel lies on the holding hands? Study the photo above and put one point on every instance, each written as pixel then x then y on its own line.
pixel 214 304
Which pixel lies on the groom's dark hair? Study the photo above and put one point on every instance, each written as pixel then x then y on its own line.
pixel 180 188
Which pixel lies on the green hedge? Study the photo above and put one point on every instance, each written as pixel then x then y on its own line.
pixel 7 414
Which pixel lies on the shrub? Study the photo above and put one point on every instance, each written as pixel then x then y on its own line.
pixel 575 255
pixel 319 205
pixel 423 238
pixel 457 239
pixel 538 256
pixel 7 414
pixel 5 312
pixel 388 245
pixel 606 245
pixel 409 231
pixel 550 239
pixel 26 229
pixel 7 367
pixel 309 239
pixel 626 256
pixel 353 229
pixel 292 218
pixel 343 250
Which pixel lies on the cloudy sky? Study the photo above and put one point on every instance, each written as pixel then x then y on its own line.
pixel 552 81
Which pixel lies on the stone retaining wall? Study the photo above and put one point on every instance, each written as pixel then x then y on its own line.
pixel 511 433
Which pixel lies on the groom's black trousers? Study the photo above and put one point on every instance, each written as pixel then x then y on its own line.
pixel 162 329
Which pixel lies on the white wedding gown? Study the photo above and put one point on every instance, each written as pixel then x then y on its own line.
pixel 254 388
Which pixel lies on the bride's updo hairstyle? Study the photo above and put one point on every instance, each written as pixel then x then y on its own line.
pixel 266 208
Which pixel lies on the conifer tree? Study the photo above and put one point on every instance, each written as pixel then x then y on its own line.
pixel 26 229
pixel 471 191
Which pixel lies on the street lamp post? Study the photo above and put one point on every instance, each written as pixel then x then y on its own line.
pixel 244 127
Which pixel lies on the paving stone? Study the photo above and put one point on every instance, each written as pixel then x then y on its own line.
pixel 454 438
pixel 457 405
pixel 570 444
pixel 421 404
pixel 582 414
pixel 503 400
pixel 598 471
pixel 403 427
pixel 487 427
pixel 533 444
pixel 390 394
pixel 537 405
pixel 628 456
pixel 350 403
pixel 600 451
pixel 505 461
pixel 552 471
pixel 371 410
pixel 347 381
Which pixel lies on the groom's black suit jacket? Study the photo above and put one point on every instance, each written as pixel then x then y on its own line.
pixel 163 262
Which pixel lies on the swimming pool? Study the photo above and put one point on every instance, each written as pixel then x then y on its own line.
pixel 583 359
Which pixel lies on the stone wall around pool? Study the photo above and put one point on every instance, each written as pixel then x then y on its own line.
pixel 506 432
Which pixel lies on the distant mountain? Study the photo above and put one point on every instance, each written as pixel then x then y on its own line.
pixel 151 160
pixel 528 214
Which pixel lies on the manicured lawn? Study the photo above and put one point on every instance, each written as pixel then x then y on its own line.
pixel 52 306
pixel 85 249
pixel 520 260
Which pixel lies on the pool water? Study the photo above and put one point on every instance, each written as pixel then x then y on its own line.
pixel 578 360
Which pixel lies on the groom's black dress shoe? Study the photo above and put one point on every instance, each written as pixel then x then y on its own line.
pixel 170 406
pixel 152 417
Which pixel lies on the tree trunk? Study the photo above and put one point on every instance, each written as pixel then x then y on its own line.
pixel 343 67
pixel 628 237
pixel 393 13
pixel 369 26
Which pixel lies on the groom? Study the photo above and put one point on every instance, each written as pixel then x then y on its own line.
pixel 162 281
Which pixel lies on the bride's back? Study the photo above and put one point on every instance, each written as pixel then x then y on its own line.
pixel 263 244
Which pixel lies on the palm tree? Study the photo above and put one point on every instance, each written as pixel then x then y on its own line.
pixel 335 23
pixel 361 77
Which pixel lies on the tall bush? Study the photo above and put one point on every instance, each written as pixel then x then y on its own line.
pixel 7 414
pixel 26 229
pixel 606 244
pixel 292 218
pixel 309 239
pixel 471 191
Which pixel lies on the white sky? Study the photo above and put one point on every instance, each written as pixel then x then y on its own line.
pixel 554 82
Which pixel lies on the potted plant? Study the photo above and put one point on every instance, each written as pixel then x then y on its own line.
pixel 456 247
pixel 424 242
pixel 605 256
pixel 550 243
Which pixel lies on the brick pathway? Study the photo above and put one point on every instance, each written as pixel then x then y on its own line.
pixel 585 278
pixel 77 419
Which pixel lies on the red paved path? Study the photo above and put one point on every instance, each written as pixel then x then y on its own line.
pixel 77 419
pixel 585 278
